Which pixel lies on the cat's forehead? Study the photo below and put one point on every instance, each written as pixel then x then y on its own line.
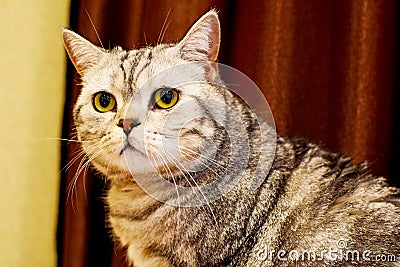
pixel 139 72
pixel 131 69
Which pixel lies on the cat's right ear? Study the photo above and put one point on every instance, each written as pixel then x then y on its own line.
pixel 82 53
pixel 202 41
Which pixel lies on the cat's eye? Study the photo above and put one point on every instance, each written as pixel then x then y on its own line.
pixel 104 102
pixel 165 98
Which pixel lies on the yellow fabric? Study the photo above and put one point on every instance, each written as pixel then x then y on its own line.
pixel 32 85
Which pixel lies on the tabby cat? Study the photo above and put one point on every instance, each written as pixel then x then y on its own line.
pixel 312 208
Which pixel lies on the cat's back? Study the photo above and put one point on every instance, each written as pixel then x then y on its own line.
pixel 326 203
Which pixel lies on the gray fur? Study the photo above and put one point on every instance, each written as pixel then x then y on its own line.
pixel 310 199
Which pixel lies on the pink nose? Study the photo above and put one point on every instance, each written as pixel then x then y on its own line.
pixel 128 124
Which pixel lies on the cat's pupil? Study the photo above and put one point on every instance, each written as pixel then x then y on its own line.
pixel 167 96
pixel 105 100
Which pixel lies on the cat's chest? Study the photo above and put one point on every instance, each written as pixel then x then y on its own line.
pixel 145 257
pixel 131 216
pixel 140 250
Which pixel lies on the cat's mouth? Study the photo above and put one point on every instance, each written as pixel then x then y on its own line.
pixel 127 147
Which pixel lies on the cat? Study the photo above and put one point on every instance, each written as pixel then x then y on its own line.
pixel 312 208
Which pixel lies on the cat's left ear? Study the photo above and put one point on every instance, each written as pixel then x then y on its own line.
pixel 82 53
pixel 202 41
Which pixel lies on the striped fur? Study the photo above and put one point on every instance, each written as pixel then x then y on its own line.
pixel 310 199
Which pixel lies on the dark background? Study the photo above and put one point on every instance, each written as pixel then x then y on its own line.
pixel 327 68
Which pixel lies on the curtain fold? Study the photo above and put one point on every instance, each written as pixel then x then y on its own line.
pixel 327 69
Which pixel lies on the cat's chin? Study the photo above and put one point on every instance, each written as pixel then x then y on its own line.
pixel 135 161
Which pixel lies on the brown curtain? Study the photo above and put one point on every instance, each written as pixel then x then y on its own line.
pixel 327 68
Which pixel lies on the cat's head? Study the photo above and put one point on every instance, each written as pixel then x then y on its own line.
pixel 133 101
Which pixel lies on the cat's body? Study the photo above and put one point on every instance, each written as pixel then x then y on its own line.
pixel 310 201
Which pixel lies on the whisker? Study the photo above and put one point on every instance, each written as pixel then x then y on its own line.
pixel 107 168
pixel 163 30
pixel 197 186
pixel 71 188
pixel 179 221
pixel 145 38
pixel 91 22
pixel 86 166
pixel 180 149
pixel 175 160
pixel 79 154
pixel 95 155
pixel 68 140
pixel 83 167
pixel 163 34
pixel 76 154
pixel 172 176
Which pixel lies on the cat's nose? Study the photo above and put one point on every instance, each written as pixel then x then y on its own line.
pixel 128 124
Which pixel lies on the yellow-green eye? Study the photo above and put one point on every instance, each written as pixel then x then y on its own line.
pixel 103 102
pixel 165 97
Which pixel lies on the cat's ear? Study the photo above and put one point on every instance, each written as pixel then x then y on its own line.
pixel 202 41
pixel 82 53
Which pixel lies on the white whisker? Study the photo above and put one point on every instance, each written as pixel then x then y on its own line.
pixel 68 140
pixel 91 22
pixel 82 167
pixel 194 181
pixel 163 30
pixel 164 160
pixel 79 154
pixel 180 149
